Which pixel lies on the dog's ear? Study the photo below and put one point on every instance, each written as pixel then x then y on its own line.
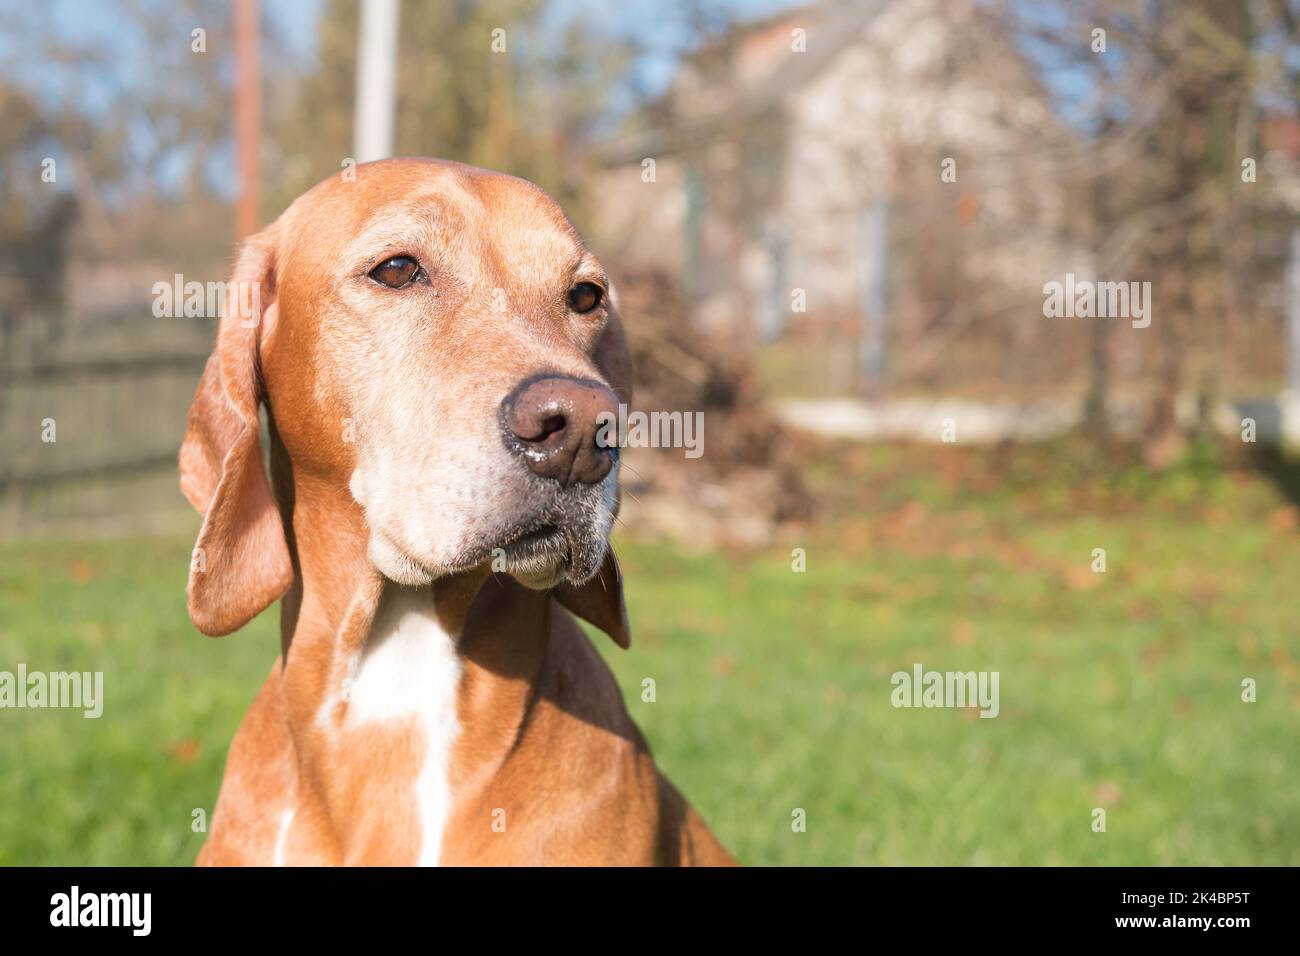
pixel 600 601
pixel 612 355
pixel 241 560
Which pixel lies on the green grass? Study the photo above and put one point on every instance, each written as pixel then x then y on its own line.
pixel 1119 690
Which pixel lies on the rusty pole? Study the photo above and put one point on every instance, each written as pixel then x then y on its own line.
pixel 248 118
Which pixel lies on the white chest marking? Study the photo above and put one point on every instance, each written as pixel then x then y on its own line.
pixel 282 837
pixel 410 668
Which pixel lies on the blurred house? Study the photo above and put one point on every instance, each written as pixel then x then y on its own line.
pixel 807 151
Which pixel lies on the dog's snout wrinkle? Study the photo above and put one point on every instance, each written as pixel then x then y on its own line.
pixel 553 421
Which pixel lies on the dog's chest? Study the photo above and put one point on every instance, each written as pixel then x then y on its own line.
pixel 410 669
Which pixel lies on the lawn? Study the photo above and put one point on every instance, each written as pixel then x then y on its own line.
pixel 1119 690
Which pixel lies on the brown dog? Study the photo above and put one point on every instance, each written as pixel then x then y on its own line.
pixel 433 344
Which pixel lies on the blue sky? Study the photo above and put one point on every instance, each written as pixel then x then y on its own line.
pixel 99 22
pixel 98 26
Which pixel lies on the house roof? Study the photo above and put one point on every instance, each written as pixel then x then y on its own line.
pixel 831 29
pixel 753 64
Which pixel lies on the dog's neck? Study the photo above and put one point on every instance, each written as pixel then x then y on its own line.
pixel 491 632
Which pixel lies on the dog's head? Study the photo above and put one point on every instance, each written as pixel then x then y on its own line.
pixel 437 340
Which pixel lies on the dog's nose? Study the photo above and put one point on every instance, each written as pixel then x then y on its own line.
pixel 554 423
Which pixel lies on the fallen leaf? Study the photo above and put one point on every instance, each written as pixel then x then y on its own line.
pixel 185 751
pixel 1107 793
pixel 963 633
pixel 1284 519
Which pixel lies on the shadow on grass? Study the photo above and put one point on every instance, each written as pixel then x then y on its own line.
pixel 1280 468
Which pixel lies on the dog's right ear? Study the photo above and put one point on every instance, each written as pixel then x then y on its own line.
pixel 614 359
pixel 241 561
pixel 600 600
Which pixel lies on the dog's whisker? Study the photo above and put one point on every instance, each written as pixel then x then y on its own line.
pixel 635 473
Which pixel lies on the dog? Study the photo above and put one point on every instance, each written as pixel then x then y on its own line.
pixel 433 346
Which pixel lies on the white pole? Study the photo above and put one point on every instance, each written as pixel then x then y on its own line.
pixel 372 113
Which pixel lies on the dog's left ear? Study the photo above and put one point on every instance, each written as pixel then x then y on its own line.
pixel 600 601
pixel 241 561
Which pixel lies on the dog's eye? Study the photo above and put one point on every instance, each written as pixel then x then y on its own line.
pixel 396 272
pixel 585 296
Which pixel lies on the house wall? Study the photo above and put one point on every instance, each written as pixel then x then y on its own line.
pixel 912 83
pixel 906 96
pixel 641 223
